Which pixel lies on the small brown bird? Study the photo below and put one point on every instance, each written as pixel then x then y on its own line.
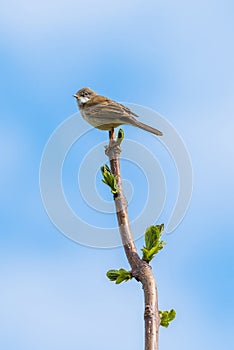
pixel 105 114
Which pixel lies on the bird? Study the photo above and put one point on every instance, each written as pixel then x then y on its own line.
pixel 106 114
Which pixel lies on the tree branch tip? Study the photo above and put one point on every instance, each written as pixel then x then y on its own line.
pixel 113 149
pixel 141 271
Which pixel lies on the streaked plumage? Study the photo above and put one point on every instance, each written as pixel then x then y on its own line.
pixel 105 114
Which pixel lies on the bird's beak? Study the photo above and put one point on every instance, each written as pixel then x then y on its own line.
pixel 75 96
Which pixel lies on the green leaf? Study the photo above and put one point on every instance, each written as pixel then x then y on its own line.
pixel 153 242
pixel 109 179
pixel 120 136
pixel 119 279
pixel 112 274
pixel 119 275
pixel 152 235
pixel 166 317
pixel 105 168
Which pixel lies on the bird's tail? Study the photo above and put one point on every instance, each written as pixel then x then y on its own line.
pixel 147 128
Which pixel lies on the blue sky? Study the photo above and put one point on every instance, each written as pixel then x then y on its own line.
pixel 173 57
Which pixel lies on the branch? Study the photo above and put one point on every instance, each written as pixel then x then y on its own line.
pixel 141 270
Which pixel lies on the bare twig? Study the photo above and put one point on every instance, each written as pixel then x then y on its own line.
pixel 141 270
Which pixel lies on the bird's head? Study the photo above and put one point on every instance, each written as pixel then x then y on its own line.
pixel 84 95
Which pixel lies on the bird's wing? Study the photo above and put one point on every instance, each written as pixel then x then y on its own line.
pixel 106 108
pixel 128 110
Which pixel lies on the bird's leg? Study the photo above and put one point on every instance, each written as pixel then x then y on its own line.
pixel 113 144
pixel 111 134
